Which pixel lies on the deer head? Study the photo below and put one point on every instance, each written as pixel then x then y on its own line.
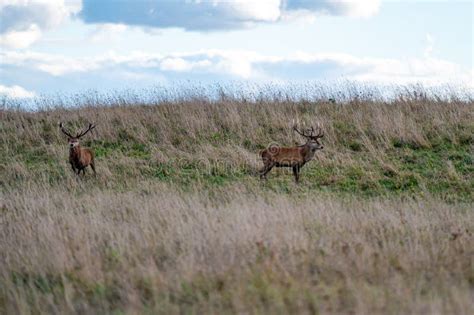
pixel 312 138
pixel 74 140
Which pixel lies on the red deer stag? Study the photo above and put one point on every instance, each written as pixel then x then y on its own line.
pixel 294 157
pixel 79 157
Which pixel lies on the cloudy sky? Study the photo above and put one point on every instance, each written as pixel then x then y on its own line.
pixel 67 46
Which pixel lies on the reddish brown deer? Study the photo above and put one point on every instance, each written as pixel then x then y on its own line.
pixel 294 157
pixel 79 157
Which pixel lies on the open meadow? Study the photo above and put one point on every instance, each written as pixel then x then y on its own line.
pixel 177 221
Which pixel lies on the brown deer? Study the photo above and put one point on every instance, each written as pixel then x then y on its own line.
pixel 294 157
pixel 79 157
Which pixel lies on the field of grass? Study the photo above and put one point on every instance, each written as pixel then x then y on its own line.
pixel 177 220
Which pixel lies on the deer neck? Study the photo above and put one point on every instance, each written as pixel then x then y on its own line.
pixel 75 150
pixel 308 152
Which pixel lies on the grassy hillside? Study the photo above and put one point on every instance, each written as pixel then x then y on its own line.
pixel 177 221
pixel 412 146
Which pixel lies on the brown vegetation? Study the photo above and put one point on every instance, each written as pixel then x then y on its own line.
pixel 177 220
pixel 161 250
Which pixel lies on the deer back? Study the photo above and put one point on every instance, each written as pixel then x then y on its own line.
pixel 284 155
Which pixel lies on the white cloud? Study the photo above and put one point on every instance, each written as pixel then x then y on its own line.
pixel 23 21
pixel 264 10
pixel 218 64
pixel 15 91
pixel 55 65
pixel 205 15
pixel 362 8
pixel 430 71
pixel 180 65
pixel 175 64
pixel 354 8
pixel 430 41
pixel 109 32
pixel 73 6
pixel 21 39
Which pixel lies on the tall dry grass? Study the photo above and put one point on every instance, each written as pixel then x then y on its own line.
pixel 177 221
pixel 361 136
pixel 162 250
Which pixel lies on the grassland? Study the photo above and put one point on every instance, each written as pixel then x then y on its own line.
pixel 177 221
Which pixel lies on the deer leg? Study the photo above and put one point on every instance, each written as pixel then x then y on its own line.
pixel 93 168
pixel 267 168
pixel 296 173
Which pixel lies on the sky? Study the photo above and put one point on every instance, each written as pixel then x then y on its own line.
pixel 71 46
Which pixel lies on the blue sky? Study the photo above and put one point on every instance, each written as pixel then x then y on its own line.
pixel 68 46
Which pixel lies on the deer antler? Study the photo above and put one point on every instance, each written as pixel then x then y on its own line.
pixel 64 130
pixel 320 132
pixel 295 128
pixel 91 126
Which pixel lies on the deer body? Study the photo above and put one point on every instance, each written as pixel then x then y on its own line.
pixel 79 157
pixel 289 157
pixel 294 157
